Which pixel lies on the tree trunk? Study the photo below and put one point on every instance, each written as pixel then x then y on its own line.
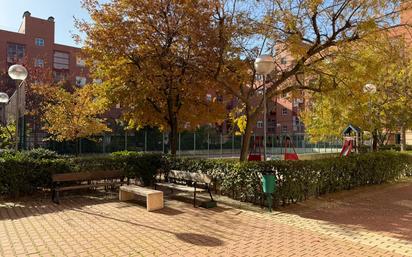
pixel 403 138
pixel 375 140
pixel 173 136
pixel 246 138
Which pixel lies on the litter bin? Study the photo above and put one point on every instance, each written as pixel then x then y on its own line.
pixel 268 185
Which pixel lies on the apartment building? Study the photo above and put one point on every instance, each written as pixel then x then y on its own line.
pixel 34 46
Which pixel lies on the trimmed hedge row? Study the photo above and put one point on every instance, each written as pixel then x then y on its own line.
pixel 298 180
pixel 23 173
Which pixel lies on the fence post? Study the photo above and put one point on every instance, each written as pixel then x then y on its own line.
pixel 163 142
pixel 221 144
pixel 208 143
pixel 194 143
pixel 125 140
pixel 233 143
pixel 145 140
pixel 179 144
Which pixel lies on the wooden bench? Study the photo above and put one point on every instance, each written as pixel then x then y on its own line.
pixel 92 179
pixel 154 198
pixel 188 182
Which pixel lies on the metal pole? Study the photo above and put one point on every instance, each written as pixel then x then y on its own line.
pixel 208 143
pixel 145 140
pixel 179 145
pixel 194 143
pixel 264 117
pixel 17 116
pixel 233 143
pixel 125 140
pixel 221 144
pixel 163 142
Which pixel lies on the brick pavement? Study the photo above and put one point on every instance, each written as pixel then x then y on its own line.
pixel 103 226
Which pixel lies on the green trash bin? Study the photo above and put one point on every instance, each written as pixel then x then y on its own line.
pixel 269 184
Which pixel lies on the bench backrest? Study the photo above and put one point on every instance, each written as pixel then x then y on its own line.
pixel 192 176
pixel 83 176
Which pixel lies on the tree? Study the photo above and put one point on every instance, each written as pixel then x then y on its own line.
pixel 71 115
pixel 307 31
pixel 157 59
pixel 380 60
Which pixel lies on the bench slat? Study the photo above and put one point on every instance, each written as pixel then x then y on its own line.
pixel 192 176
pixel 87 186
pixel 181 187
pixel 83 176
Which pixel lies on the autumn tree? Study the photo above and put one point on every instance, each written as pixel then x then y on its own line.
pixel 380 60
pixel 69 115
pixel 306 31
pixel 158 60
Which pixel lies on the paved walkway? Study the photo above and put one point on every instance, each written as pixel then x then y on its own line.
pixel 372 222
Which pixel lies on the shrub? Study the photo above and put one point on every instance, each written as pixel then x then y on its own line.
pixel 141 166
pixel 298 180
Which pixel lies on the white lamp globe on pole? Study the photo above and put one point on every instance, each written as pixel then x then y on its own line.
pixel 18 72
pixel 264 65
pixel 4 98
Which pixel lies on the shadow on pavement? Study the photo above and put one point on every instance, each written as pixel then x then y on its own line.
pixel 384 209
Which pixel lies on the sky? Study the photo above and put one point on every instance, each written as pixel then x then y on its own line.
pixel 11 12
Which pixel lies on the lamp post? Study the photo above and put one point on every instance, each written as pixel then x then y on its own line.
pixel 370 89
pixel 18 72
pixel 264 65
pixel 4 99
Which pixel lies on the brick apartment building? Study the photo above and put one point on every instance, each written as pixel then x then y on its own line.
pixel 33 46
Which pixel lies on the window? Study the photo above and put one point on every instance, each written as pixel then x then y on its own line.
pixel 38 63
pixel 61 61
pixel 283 60
pixel 260 124
pixel 60 76
pixel 284 111
pixel 15 53
pixel 39 41
pixel 209 97
pixel 80 62
pixel 97 81
pixel 80 81
pixel 285 129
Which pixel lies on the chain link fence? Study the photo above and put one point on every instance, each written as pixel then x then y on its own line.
pixel 206 142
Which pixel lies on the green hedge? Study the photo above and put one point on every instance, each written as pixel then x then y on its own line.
pixel 298 180
pixel 22 173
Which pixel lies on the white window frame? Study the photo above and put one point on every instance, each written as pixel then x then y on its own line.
pixel 259 124
pixel 39 41
pixel 284 111
pixel 284 128
pixel 81 81
pixel 39 63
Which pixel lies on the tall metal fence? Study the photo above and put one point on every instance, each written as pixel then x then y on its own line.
pixel 205 143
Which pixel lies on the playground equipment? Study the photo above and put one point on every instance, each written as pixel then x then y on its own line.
pixel 289 144
pixel 256 153
pixel 352 139
pixel 347 147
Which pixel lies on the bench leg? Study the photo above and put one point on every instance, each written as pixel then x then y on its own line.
pixel 56 197
pixel 194 198
pixel 125 196
pixel 154 201
pixel 210 193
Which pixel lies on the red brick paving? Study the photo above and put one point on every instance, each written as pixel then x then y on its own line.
pixel 93 226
